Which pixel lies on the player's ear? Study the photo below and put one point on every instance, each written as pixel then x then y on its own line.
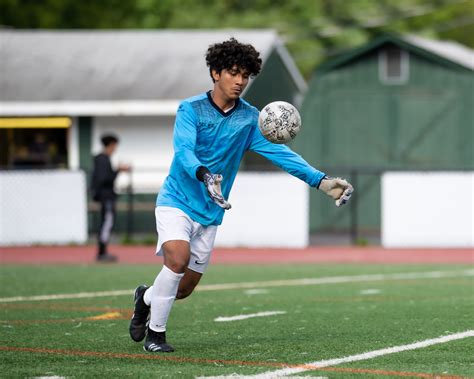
pixel 215 75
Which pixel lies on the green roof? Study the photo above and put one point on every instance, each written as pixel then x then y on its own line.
pixel 447 53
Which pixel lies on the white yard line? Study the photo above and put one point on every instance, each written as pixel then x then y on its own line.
pixel 250 315
pixel 256 291
pixel 338 279
pixel 370 291
pixel 262 284
pixel 80 295
pixel 353 358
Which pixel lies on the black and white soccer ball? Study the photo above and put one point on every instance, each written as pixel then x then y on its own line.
pixel 279 122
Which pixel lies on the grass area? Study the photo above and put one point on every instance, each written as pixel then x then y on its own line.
pixel 321 322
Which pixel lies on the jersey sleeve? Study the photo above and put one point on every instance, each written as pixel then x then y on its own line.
pixel 285 158
pixel 184 138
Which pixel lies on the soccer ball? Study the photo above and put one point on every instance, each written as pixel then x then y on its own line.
pixel 279 122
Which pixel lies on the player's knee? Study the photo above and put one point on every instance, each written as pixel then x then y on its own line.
pixel 176 259
pixel 177 265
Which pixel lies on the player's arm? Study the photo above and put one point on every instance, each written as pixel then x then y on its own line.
pixel 184 138
pixel 285 158
pixel 184 141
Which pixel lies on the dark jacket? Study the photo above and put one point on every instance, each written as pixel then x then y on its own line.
pixel 103 178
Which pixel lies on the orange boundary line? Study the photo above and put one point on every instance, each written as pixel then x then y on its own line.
pixel 223 361
pixel 65 320
pixel 392 373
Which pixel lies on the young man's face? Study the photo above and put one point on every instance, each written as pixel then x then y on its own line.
pixel 231 82
pixel 110 148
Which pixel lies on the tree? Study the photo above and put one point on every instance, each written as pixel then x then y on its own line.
pixel 313 30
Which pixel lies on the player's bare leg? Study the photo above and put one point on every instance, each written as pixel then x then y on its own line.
pixel 163 293
pixel 175 258
pixel 188 283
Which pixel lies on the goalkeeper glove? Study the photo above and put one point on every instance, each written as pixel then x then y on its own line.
pixel 339 189
pixel 213 186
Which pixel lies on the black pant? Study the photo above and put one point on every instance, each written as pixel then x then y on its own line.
pixel 107 219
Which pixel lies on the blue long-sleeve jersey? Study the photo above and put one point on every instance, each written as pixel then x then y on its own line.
pixel 204 135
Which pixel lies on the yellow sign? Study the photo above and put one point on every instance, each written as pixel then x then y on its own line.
pixel 35 122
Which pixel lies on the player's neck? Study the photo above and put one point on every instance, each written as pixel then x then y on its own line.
pixel 222 101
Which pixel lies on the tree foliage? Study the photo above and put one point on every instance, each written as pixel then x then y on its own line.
pixel 312 29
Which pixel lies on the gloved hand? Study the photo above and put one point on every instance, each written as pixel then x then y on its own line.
pixel 337 188
pixel 213 185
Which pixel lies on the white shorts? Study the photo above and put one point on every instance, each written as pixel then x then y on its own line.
pixel 174 224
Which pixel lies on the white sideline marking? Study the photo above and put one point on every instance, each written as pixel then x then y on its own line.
pixel 283 373
pixel 250 315
pixel 80 295
pixel 370 291
pixel 256 291
pixel 338 279
pixel 270 283
pixel 363 356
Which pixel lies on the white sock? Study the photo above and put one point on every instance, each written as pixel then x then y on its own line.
pixel 147 296
pixel 163 293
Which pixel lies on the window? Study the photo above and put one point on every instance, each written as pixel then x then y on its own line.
pixel 30 143
pixel 393 65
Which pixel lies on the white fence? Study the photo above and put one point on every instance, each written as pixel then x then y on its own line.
pixel 422 209
pixel 268 210
pixel 43 207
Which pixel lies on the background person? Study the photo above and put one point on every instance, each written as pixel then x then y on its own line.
pixel 102 187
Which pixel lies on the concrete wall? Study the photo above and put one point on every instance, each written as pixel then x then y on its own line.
pixel 42 207
pixel 428 209
pixel 268 210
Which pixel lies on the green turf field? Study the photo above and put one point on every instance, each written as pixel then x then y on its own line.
pixel 88 337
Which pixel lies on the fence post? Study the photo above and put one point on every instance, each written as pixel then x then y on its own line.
pixel 353 216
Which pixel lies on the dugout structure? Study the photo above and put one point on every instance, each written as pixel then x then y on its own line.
pixel 398 102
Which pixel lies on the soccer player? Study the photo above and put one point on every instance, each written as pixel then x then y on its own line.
pixel 212 132
pixel 102 186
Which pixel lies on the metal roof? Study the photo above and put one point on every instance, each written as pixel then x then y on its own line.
pixel 449 53
pixel 449 50
pixel 116 65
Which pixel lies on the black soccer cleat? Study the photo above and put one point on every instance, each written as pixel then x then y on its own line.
pixel 156 342
pixel 139 321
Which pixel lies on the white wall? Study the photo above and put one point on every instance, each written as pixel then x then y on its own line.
pixel 46 207
pixel 268 210
pixel 145 142
pixel 428 209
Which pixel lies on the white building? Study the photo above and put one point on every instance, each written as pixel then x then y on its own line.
pixel 77 85
pixel 61 90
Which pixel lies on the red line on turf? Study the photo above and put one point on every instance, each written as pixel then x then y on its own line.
pixel 140 356
pixel 388 373
pixel 99 354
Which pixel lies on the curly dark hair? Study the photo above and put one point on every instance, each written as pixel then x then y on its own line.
pixel 230 53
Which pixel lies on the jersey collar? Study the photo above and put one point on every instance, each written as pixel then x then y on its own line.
pixel 225 114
